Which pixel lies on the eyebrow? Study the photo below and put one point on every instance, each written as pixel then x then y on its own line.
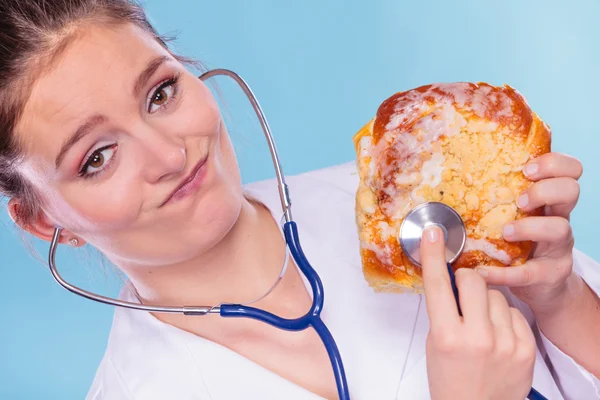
pixel 147 73
pixel 83 130
pixel 96 120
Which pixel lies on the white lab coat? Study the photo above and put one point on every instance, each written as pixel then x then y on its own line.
pixel 384 358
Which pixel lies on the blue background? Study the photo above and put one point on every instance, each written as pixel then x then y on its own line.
pixel 320 69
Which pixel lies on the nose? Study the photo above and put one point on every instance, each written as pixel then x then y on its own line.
pixel 165 159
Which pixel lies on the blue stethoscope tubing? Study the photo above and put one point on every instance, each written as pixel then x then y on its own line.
pixel 290 230
pixel 533 394
pixel 311 318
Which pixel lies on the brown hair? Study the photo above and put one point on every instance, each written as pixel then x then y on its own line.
pixel 32 34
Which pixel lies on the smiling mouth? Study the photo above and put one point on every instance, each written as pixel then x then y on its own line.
pixel 189 185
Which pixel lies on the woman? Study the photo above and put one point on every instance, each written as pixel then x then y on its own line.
pixel 106 134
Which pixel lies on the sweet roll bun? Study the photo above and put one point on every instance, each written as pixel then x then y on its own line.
pixel 462 144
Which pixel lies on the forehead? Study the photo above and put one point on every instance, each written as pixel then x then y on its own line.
pixel 99 66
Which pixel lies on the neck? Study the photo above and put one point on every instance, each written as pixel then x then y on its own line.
pixel 242 267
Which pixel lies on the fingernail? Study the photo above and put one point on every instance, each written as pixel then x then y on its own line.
pixel 523 200
pixel 531 169
pixel 508 230
pixel 432 234
pixel 482 271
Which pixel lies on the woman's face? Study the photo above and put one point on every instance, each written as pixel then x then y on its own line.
pixel 112 130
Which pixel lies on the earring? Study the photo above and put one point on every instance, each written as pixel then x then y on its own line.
pixel 74 242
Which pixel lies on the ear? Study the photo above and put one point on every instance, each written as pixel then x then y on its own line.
pixel 41 226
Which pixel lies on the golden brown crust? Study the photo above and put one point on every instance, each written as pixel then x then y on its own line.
pixel 463 144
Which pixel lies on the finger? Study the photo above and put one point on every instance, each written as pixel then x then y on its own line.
pixel 531 272
pixel 473 295
pixel 553 165
pixel 539 229
pixel 520 326
pixel 561 194
pixel 522 331
pixel 501 319
pixel 538 271
pixel 441 305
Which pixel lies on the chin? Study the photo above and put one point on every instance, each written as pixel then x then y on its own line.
pixel 211 221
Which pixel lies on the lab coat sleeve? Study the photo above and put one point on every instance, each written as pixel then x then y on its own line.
pixel 574 380
pixel 107 384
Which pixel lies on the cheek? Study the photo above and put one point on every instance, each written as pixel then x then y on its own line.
pixel 85 207
pixel 198 113
pixel 227 158
pixel 99 208
pixel 217 213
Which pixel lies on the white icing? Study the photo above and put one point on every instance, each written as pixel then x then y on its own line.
pixel 372 171
pixel 444 120
pixel 415 197
pixel 381 252
pixel 409 178
pixel 408 171
pixel 394 122
pixel 386 230
pixel 506 110
pixel 366 153
pixel 457 91
pixel 370 209
pixel 432 170
pixel 407 110
pixel 365 146
pixel 503 104
pixel 479 100
pixel 488 248
pixel 403 144
pixel 401 205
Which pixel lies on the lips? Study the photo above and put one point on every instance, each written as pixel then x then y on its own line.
pixel 189 185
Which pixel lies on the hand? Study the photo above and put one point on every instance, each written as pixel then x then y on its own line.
pixel 486 354
pixel 541 282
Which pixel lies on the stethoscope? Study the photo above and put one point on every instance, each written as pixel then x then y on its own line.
pixel 409 237
pixel 455 237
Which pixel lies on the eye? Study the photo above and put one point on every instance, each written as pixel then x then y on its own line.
pixel 98 160
pixel 163 95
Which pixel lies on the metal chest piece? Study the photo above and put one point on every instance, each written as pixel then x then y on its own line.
pixel 427 214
